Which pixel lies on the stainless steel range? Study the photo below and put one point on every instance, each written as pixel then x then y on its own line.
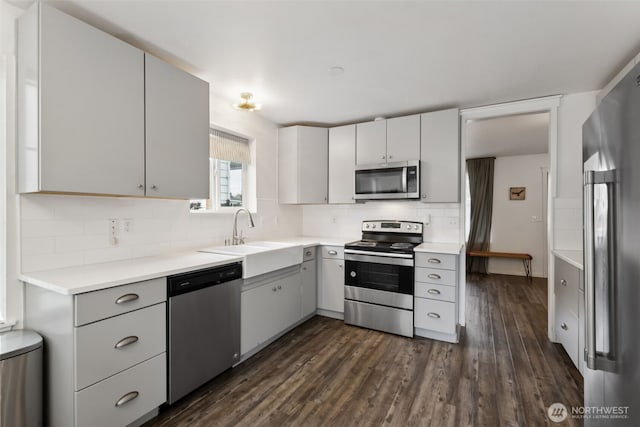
pixel 379 274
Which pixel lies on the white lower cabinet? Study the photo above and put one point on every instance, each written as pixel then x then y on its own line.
pixel 123 398
pixel 436 296
pixel 331 283
pixel 105 352
pixel 270 304
pixel 569 310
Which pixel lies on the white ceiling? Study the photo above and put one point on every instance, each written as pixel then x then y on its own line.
pixel 399 57
pixel 508 136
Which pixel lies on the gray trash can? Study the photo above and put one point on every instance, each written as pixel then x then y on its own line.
pixel 20 379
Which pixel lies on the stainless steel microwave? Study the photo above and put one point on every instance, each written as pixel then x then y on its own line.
pixel 399 180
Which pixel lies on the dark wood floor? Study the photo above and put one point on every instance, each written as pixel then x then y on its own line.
pixel 503 372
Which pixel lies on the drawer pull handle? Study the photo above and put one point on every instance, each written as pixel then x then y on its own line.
pixel 127 398
pixel 126 341
pixel 433 292
pixel 564 326
pixel 434 261
pixel 274 289
pixel 184 284
pixel 279 287
pixel 434 276
pixel 332 252
pixel 308 253
pixel 433 315
pixel 127 298
pixel 563 282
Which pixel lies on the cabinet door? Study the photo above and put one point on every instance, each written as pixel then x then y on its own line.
pixel 313 153
pixel 257 323
pixel 288 165
pixel 177 132
pixel 342 160
pixel 403 138
pixel 331 289
pixel 309 288
pixel 288 302
pixel 440 157
pixel 91 110
pixel 371 142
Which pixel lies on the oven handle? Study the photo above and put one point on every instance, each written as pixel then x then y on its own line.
pixel 351 256
pixel 378 254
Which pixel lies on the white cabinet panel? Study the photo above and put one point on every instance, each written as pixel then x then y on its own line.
pixel 342 161
pixel 440 157
pixel 303 156
pixel 438 316
pixel 177 132
pixel 90 121
pixel 371 142
pixel 331 288
pixel 309 288
pixel 403 138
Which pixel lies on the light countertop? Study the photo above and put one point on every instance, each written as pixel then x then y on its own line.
pixel 573 257
pixel 76 280
pixel 307 241
pixel 440 248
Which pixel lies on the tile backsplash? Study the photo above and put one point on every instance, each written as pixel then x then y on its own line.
pixel 441 220
pixel 62 231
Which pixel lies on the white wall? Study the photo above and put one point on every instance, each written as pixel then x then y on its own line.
pixel 574 110
pixel 61 231
pixel 513 227
pixel 441 220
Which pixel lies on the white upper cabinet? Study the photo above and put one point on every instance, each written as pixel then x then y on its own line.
pixel 440 157
pixel 177 132
pixel 81 117
pixel 81 101
pixel 342 160
pixel 388 141
pixel 371 142
pixel 403 138
pixel 302 165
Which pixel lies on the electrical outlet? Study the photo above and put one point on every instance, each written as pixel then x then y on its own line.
pixel 426 220
pixel 114 228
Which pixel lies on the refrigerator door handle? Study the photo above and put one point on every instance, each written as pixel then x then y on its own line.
pixel 594 359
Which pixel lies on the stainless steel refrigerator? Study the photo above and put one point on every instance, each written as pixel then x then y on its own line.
pixel 611 156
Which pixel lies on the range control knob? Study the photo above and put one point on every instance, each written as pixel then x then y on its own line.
pixel 366 226
pixel 415 227
pixel 353 274
pixel 408 227
pixel 373 226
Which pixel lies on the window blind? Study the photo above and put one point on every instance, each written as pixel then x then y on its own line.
pixel 226 146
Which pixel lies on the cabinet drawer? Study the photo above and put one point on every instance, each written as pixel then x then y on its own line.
pixel 431 260
pixel 567 334
pixel 433 291
pixel 433 275
pixel 98 404
pixel 333 252
pixel 435 315
pixel 141 335
pixel 566 285
pixel 98 305
pixel 309 253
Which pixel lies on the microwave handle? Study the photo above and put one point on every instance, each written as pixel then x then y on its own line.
pixel 404 180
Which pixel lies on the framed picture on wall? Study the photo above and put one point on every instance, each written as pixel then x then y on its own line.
pixel 517 193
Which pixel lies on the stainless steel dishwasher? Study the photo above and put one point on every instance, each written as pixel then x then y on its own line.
pixel 203 326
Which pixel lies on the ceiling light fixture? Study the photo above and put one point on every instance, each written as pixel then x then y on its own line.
pixel 246 104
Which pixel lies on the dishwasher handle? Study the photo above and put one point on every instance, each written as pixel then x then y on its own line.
pixel 188 282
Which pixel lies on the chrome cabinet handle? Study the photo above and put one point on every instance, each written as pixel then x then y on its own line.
pixel 384 157
pixel 564 326
pixel 274 289
pixel 433 292
pixel 308 253
pixel 434 276
pixel 154 187
pixel 304 268
pixel 332 252
pixel 140 186
pixel 127 398
pixel 279 287
pixel 563 282
pixel 126 341
pixel 127 298
pixel 434 261
pixel 433 315
pixel 391 157
pixel 184 284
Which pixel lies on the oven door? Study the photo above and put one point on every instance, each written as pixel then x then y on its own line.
pixel 383 273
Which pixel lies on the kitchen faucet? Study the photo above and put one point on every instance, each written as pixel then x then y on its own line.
pixel 235 239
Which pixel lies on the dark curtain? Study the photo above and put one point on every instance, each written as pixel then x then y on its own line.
pixel 481 189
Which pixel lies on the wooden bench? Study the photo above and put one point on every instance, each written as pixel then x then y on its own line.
pixel 526 258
